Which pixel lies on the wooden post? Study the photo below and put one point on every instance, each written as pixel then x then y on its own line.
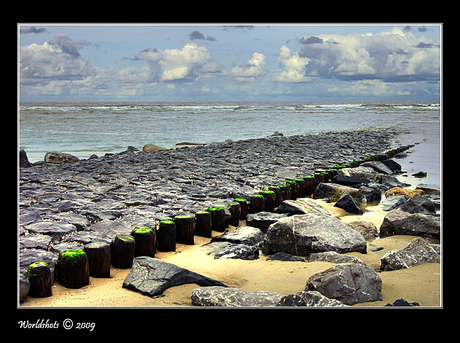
pixel 294 189
pixel 99 259
pixel 235 211
pixel 218 218
pixel 39 276
pixel 283 189
pixel 309 185
pixel 244 207
pixel 72 268
pixel 184 229
pixel 203 221
pixel 166 235
pixel 278 195
pixel 122 252
pixel 270 198
pixel 257 203
pixel 145 239
pixel 301 187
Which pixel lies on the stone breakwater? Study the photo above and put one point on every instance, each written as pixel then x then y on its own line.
pixel 68 205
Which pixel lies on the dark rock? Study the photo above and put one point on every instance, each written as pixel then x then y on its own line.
pixel 347 203
pixel 378 166
pixel 302 235
pixel 393 202
pixel 397 222
pixel 51 228
pixel 402 302
pixel 367 196
pixel 242 235
pixel 390 181
pixel 301 206
pixel 35 242
pixel 392 165
pixel 282 256
pixel 429 190
pixel 420 174
pixel 59 157
pixel 350 283
pixel 151 276
pixel 24 160
pixel 310 299
pixel 418 204
pixel 414 253
pixel 365 228
pixel 233 297
pixel 350 181
pixel 262 220
pixel 238 251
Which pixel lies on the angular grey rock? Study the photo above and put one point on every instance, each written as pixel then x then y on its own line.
pixel 302 235
pixel 378 166
pixel 414 253
pixel 350 283
pixel 397 222
pixel 334 257
pixel 238 251
pixel 393 202
pixel 332 191
pixel 301 206
pixel 282 256
pixel 248 235
pixel 151 276
pixel 263 220
pixel 360 172
pixel 51 228
pixel 35 242
pixel 233 297
pixel 365 228
pixel 24 287
pixel 310 299
pixel 347 203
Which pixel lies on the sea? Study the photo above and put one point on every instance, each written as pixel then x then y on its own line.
pixel 86 128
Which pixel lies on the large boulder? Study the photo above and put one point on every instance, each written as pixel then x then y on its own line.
pixel 393 202
pixel 59 157
pixel 151 276
pixel 360 172
pixel 365 228
pixel 397 222
pixel 332 191
pixel 152 147
pixel 302 235
pixel 418 204
pixel 301 206
pixel 24 160
pixel 414 253
pixel 233 297
pixel 350 283
pixel 262 220
pixel 403 191
pixel 238 251
pixel 347 203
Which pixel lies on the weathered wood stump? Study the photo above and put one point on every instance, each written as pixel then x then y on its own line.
pixel 203 222
pixel 72 268
pixel 283 189
pixel 235 211
pixel 218 218
pixel 244 207
pixel 185 229
pixel 99 259
pixel 270 198
pixel 310 185
pixel 301 187
pixel 145 238
pixel 166 236
pixel 122 251
pixel 39 276
pixel 293 188
pixel 278 194
pixel 257 203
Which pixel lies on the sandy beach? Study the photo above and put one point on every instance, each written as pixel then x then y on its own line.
pixel 420 284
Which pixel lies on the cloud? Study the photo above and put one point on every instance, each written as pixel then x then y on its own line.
pixel 33 29
pixel 188 64
pixel 198 35
pixel 233 28
pixel 391 55
pixel 250 69
pixel 293 67
pixel 59 59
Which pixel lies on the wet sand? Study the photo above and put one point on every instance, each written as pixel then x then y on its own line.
pixel 421 283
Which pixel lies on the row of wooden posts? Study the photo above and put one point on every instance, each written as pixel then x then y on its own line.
pixel 74 266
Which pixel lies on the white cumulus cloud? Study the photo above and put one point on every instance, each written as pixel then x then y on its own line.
pixel 293 67
pixel 251 69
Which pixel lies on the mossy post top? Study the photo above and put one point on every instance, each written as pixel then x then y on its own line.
pixel 142 229
pixel 166 222
pixel 184 216
pixel 72 254
pixel 35 265
pixel 213 209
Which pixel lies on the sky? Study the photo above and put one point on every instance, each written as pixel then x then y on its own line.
pixel 241 62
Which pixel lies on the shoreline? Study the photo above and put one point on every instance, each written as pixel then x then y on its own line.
pixel 120 191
